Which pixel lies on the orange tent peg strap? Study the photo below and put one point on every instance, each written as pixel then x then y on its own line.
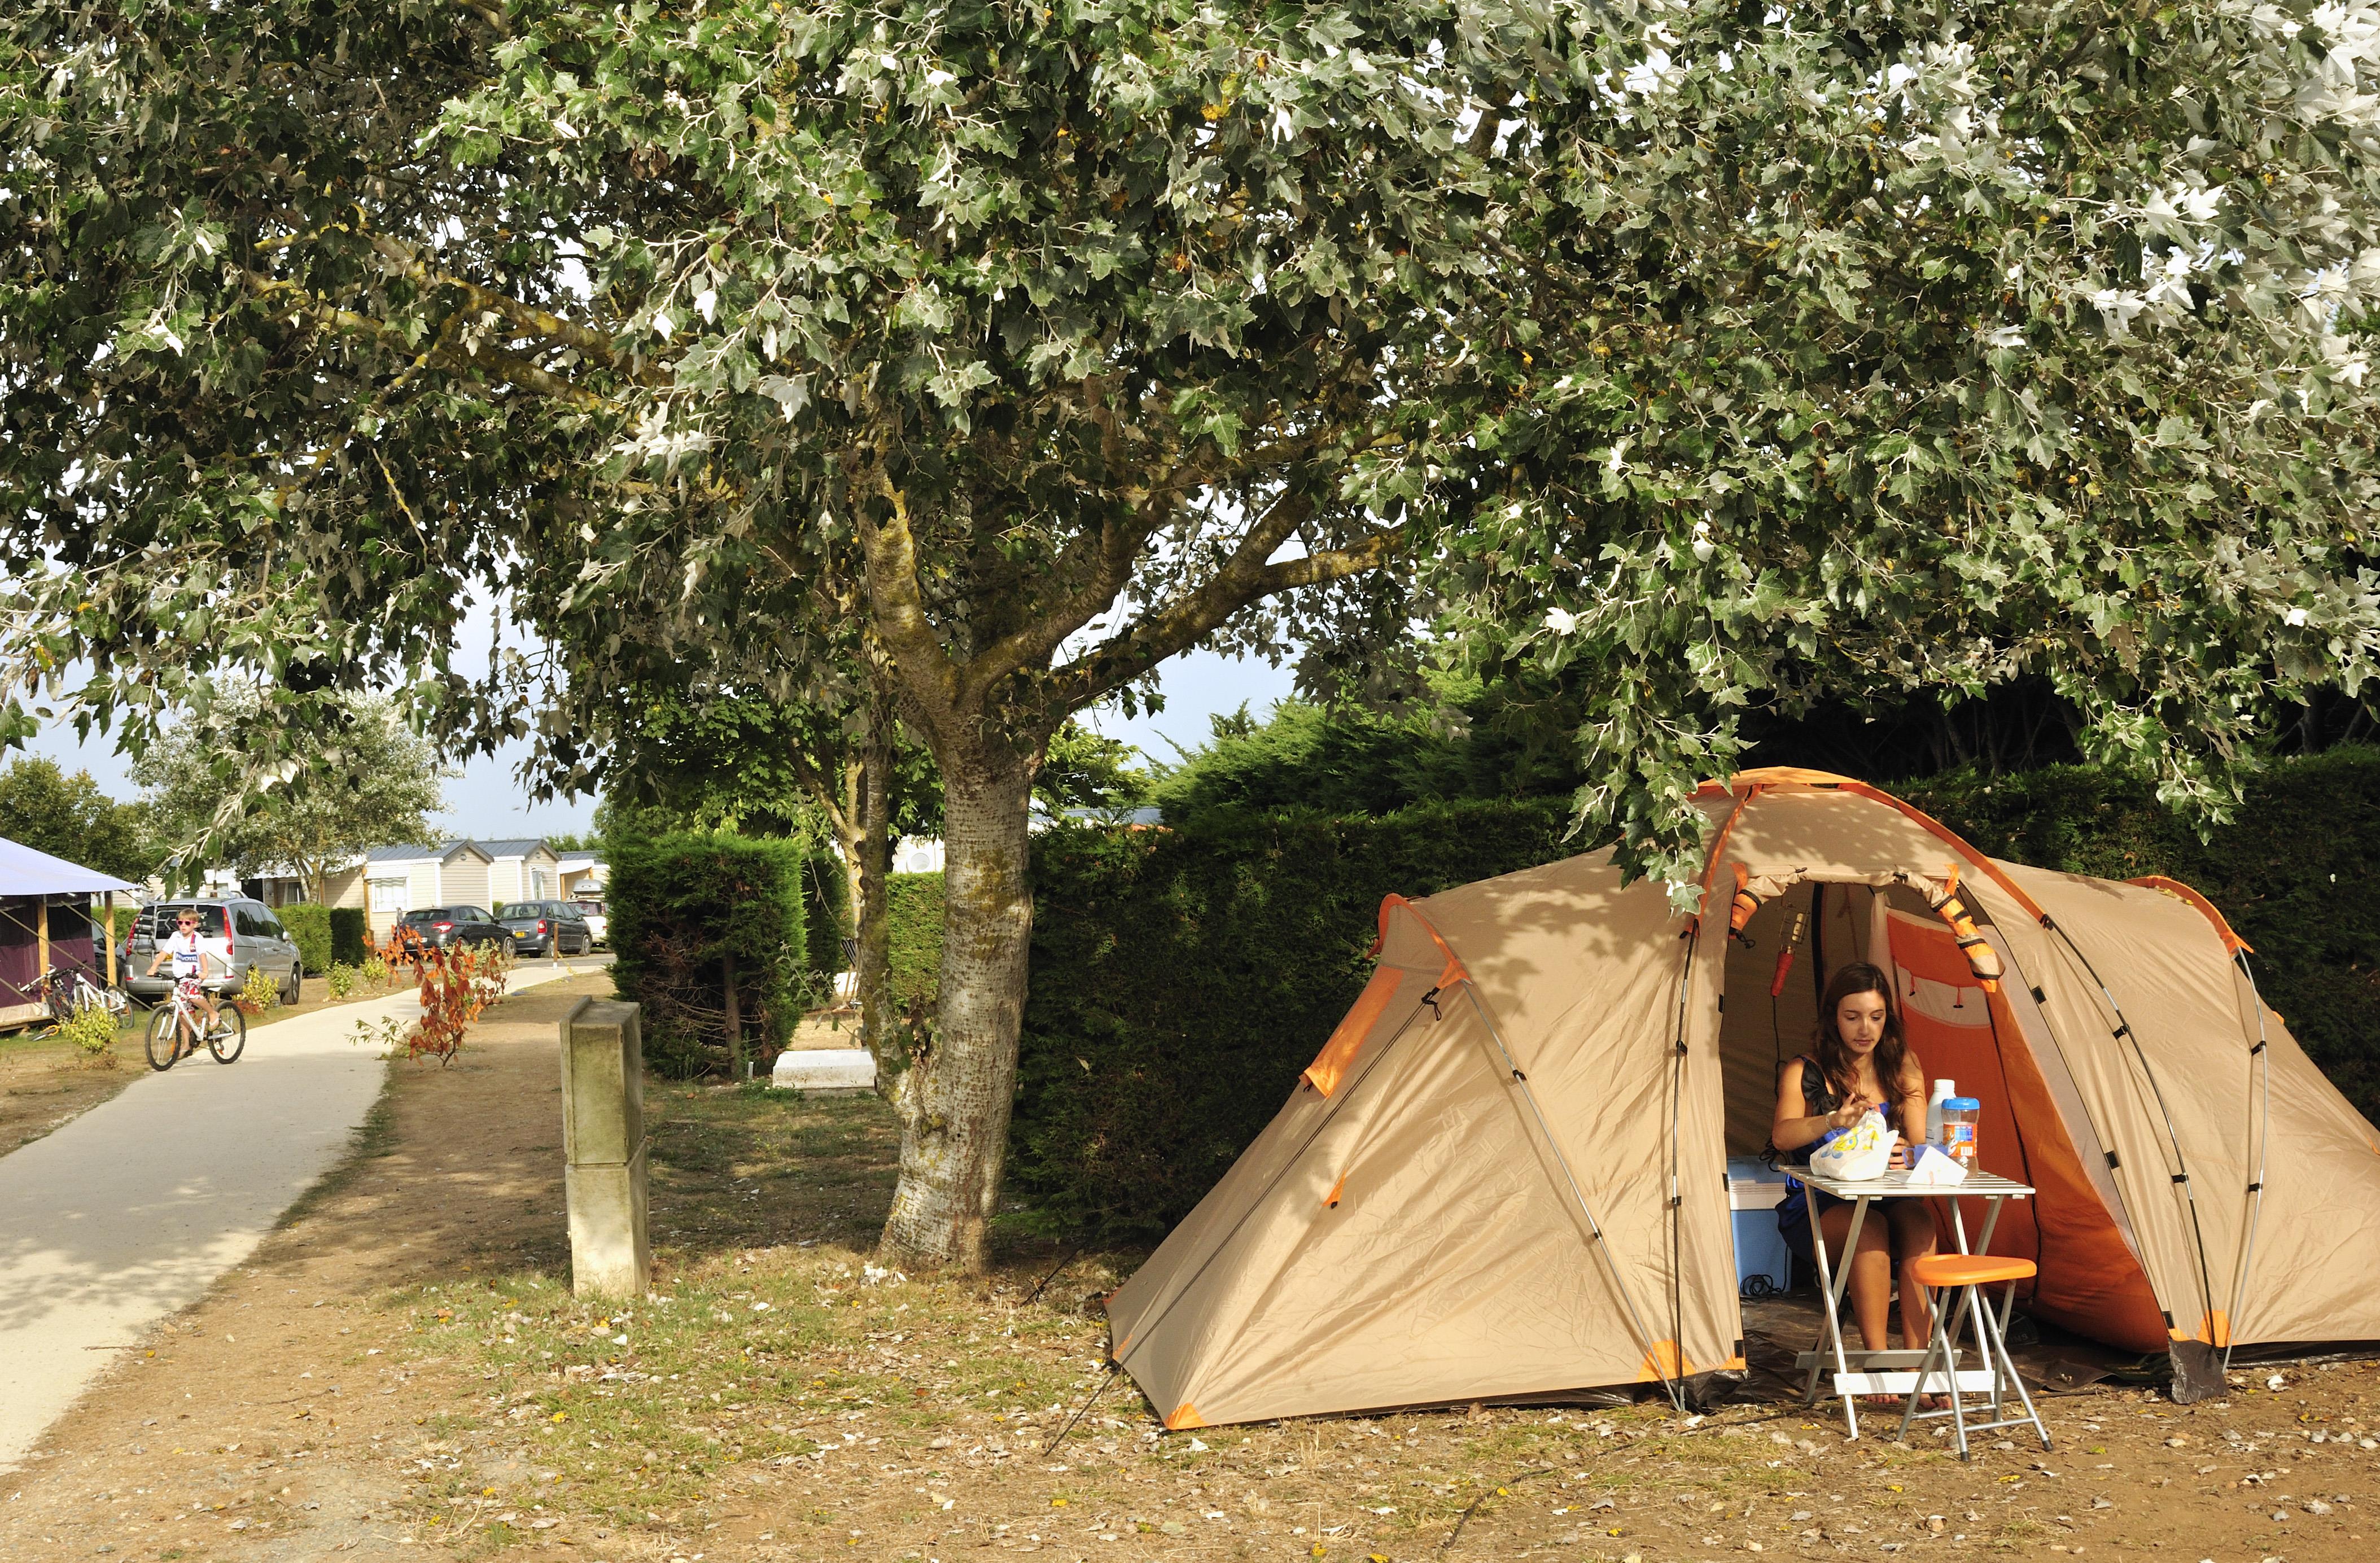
pixel 1981 959
pixel 1746 904
pixel 1663 1363
pixel 2215 1329
pixel 1185 1416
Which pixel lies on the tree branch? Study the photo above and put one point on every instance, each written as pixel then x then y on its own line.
pixel 897 610
pixel 1113 554
pixel 514 369
pixel 1186 621
pixel 530 319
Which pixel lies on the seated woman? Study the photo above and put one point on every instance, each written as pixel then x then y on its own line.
pixel 1861 1063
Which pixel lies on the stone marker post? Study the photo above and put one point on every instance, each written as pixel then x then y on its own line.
pixel 603 1148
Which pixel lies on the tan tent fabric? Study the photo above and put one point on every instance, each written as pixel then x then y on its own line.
pixel 1503 1176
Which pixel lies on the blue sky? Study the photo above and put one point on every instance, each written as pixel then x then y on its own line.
pixel 487 801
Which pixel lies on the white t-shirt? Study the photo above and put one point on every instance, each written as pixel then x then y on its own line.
pixel 189 951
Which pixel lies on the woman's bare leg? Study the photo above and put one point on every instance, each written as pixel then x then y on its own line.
pixel 1914 1236
pixel 1870 1268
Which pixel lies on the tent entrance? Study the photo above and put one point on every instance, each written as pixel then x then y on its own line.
pixel 1993 1044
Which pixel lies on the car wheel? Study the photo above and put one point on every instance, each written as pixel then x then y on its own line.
pixel 297 989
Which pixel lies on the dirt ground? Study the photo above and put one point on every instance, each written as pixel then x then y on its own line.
pixel 45 1084
pixel 400 1373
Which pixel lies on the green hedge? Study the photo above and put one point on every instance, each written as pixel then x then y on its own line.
pixel 826 913
pixel 309 924
pixel 680 905
pixel 1183 979
pixel 2289 874
pixel 915 904
pixel 350 936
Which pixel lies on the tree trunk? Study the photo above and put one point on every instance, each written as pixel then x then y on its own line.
pixel 955 1108
pixel 734 1020
pixel 872 921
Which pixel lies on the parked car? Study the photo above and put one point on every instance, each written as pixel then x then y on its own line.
pixel 241 936
pixel 596 923
pixel 446 926
pixel 548 928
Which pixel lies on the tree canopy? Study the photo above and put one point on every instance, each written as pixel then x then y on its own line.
pixel 370 784
pixel 68 816
pixel 976 358
pixel 1906 352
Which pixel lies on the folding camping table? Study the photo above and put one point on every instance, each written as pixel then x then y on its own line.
pixel 1893 1373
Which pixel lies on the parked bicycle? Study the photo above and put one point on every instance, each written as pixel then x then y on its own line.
pixel 181 1025
pixel 65 992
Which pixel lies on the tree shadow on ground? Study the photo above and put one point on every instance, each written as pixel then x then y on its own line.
pixel 749 1167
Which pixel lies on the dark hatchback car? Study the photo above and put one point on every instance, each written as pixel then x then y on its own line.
pixel 446 926
pixel 548 928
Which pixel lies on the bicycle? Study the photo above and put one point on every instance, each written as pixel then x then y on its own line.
pixel 65 992
pixel 183 1016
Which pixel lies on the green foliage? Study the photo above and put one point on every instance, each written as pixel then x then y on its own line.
pixel 369 781
pixel 685 760
pixel 92 1030
pixel 350 935
pixel 373 970
pixel 1346 759
pixel 68 816
pixel 681 907
pixel 310 929
pixel 1084 770
pixel 1905 351
pixel 259 994
pixel 914 906
pixel 1182 978
pixel 826 913
pixel 2290 875
pixel 340 979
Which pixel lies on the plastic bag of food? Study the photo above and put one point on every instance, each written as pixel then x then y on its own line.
pixel 1857 1154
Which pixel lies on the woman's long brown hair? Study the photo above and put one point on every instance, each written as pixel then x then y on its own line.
pixel 1892 1049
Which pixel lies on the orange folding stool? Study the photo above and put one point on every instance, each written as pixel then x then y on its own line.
pixel 1941 1274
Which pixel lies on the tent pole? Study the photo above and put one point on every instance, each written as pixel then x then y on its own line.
pixel 41 942
pixel 107 901
pixel 1140 1335
pixel 2264 1058
pixel 1595 1229
pixel 2124 1032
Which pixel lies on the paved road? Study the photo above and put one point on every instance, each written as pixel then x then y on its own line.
pixel 129 1212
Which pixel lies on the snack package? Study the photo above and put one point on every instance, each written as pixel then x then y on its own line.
pixel 1857 1154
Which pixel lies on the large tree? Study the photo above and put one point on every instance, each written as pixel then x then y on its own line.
pixel 68 816
pixel 998 353
pixel 372 781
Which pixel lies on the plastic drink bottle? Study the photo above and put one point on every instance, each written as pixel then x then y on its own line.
pixel 1943 1091
pixel 1957 1138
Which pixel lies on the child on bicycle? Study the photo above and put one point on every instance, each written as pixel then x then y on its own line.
pixel 187 950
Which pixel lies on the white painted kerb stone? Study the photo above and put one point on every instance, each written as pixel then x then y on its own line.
pixel 825 1069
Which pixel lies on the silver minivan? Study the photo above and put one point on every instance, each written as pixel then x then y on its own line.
pixel 241 936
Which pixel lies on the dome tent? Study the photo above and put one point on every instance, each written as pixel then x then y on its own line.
pixel 1504 1177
